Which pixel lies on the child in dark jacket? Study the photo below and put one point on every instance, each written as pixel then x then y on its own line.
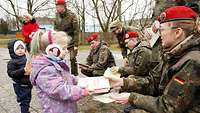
pixel 19 72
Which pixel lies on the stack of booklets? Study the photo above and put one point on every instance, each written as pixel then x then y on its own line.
pixel 95 84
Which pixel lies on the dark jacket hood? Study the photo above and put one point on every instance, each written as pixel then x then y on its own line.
pixel 11 49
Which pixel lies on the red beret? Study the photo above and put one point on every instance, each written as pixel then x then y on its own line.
pixel 60 2
pixel 177 13
pixel 132 35
pixel 92 37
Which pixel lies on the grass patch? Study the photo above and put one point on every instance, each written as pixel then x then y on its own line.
pixel 113 47
pixel 4 39
pixel 9 36
pixel 4 42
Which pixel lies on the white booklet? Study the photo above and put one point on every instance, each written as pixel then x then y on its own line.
pixel 105 98
pixel 95 84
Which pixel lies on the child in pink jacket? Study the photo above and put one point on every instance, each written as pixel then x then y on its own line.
pixel 56 87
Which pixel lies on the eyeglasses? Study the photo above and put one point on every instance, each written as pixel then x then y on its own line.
pixel 166 28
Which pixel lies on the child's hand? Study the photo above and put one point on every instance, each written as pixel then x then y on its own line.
pixel 87 92
pixel 27 71
pixel 28 68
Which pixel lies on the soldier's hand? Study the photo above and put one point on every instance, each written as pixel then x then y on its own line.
pixel 121 98
pixel 114 81
pixel 91 68
pixel 114 69
pixel 125 60
pixel 82 67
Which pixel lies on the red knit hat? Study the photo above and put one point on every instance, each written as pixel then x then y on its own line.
pixel 92 37
pixel 60 2
pixel 177 13
pixel 132 35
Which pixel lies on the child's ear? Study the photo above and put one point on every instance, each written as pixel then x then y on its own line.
pixel 53 49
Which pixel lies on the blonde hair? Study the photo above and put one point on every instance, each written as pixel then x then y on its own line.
pixel 41 41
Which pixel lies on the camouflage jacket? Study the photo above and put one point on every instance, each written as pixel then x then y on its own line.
pixel 138 61
pixel 157 52
pixel 120 39
pixel 68 22
pixel 100 57
pixel 179 83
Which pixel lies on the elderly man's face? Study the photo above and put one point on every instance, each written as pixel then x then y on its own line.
pixel 117 30
pixel 131 43
pixel 60 8
pixel 94 43
pixel 168 34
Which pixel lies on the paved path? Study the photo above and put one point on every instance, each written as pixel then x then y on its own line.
pixel 8 102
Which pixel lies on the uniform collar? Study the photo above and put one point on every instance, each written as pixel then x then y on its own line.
pixel 188 43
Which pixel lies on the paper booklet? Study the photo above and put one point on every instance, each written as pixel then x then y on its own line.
pixel 95 84
pixel 105 98
pixel 82 65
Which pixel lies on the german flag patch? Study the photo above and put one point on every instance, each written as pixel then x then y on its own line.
pixel 179 80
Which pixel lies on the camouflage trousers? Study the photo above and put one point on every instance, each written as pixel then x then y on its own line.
pixel 73 54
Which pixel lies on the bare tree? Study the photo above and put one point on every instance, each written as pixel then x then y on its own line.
pixel 147 12
pixel 34 6
pixel 107 11
pixel 15 13
pixel 80 8
pixel 140 13
pixel 31 6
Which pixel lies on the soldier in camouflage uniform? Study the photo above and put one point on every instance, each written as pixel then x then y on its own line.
pixel 67 21
pixel 119 31
pixel 99 58
pixel 138 58
pixel 179 84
